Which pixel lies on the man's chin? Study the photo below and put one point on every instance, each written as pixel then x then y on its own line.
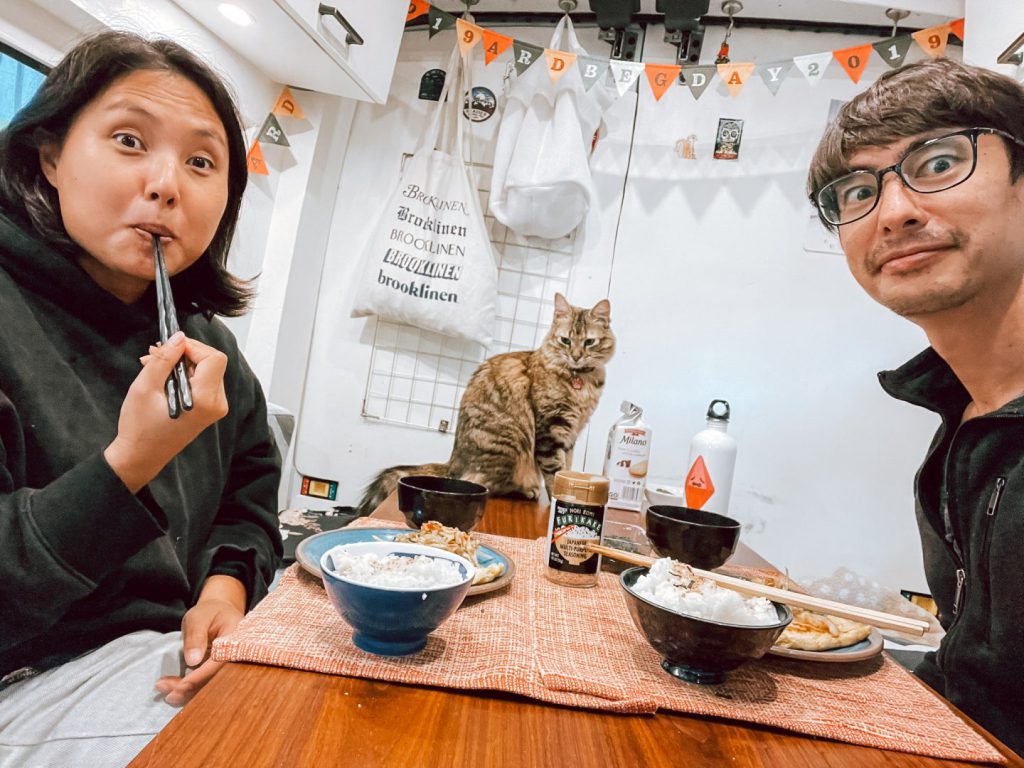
pixel 920 307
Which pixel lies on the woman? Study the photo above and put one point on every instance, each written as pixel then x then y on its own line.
pixel 120 526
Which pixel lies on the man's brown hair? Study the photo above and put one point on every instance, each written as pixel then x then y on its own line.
pixel 917 98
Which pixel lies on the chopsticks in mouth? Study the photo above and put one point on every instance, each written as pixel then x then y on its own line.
pixel 793 599
pixel 179 392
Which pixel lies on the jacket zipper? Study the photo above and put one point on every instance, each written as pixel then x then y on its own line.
pixel 990 516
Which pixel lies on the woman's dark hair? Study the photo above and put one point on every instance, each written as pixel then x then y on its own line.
pixel 82 75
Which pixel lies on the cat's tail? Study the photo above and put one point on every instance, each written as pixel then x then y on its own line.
pixel 387 481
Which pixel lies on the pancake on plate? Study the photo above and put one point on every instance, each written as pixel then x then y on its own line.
pixel 810 631
pixel 458 542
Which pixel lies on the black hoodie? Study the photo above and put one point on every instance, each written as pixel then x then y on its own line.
pixel 970 514
pixel 82 560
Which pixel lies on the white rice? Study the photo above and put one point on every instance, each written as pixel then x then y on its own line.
pixel 397 571
pixel 706 600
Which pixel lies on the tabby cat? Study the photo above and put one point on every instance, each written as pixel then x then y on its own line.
pixel 522 411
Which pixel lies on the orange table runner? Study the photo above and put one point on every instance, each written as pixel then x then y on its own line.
pixel 579 647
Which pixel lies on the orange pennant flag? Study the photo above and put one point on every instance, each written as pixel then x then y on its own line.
pixel 933 40
pixel 469 35
pixel 286 104
pixel 661 76
pixel 254 160
pixel 417 8
pixel 853 60
pixel 494 45
pixel 957 28
pixel 735 76
pixel 558 63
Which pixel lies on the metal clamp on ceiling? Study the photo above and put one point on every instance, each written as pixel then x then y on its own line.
pixel 683 27
pixel 615 18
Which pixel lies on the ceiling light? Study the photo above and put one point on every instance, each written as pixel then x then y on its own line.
pixel 232 12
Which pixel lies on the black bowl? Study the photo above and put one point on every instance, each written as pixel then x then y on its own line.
pixel 692 536
pixel 699 650
pixel 455 503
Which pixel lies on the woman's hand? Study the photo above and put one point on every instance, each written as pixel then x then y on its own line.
pixel 220 607
pixel 147 438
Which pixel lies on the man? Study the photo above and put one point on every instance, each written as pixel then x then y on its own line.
pixel 921 176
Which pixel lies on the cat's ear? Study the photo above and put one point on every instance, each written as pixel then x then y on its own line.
pixel 562 307
pixel 602 310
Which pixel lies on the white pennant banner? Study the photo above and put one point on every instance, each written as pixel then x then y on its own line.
pixel 813 65
pixel 626 73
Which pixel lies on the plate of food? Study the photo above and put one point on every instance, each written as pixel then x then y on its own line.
pixel 816 637
pixel 494 569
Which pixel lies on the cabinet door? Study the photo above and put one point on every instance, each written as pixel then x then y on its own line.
pixel 379 23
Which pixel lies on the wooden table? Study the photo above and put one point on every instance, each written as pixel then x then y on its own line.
pixel 256 716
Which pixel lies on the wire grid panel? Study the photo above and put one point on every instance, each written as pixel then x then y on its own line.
pixel 417 377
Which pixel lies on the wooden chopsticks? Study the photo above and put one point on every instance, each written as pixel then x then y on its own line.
pixel 793 599
pixel 179 392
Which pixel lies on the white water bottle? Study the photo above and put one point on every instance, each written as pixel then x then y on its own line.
pixel 712 459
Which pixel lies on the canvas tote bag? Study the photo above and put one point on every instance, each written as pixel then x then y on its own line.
pixel 541 182
pixel 429 261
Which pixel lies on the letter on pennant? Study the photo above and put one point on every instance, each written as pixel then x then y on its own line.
pixel 254 160
pixel 558 63
pixel 524 55
pixel 894 50
pixel 697 78
pixel 469 35
pixel 774 72
pixel 272 132
pixel 416 8
pixel 661 76
pixel 853 60
pixel 286 105
pixel 438 20
pixel 933 40
pixel 625 74
pixel 813 65
pixel 735 75
pixel 591 69
pixel 494 45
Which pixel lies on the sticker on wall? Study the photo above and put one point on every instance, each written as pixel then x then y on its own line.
pixel 320 489
pixel 482 105
pixel 727 142
pixel 431 84
pixel 687 148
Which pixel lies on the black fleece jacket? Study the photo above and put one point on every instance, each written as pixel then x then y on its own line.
pixel 82 560
pixel 970 514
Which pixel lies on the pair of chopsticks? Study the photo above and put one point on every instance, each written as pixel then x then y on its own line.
pixel 179 392
pixel 793 599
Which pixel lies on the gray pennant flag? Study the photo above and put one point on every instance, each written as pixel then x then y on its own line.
pixel 438 20
pixel 525 54
pixel 774 72
pixel 894 50
pixel 272 133
pixel 592 69
pixel 698 78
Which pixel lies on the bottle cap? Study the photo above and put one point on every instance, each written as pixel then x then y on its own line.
pixel 713 414
pixel 581 487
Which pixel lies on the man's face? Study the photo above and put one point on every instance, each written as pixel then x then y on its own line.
pixel 920 254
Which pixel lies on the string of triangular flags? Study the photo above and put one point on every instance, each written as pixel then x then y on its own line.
pixel 271 131
pixel 735 75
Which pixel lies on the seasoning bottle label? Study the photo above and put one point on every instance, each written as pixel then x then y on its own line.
pixel 574 525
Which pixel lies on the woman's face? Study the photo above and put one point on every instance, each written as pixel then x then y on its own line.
pixel 147 156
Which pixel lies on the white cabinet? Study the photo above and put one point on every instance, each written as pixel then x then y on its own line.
pixel 305 42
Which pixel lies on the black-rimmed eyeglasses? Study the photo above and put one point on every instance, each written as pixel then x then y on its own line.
pixel 936 165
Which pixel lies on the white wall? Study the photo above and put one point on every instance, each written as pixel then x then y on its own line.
pixel 713 295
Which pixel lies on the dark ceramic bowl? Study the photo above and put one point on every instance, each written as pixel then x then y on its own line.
pixel 692 536
pixel 393 621
pixel 455 503
pixel 698 650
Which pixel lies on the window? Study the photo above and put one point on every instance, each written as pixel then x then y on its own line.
pixel 20 78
